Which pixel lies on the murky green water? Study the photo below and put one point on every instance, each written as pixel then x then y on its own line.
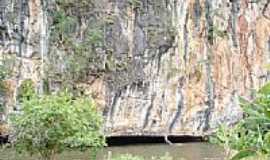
pixel 187 151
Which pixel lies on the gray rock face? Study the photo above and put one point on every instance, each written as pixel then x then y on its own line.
pixel 192 59
pixel 186 61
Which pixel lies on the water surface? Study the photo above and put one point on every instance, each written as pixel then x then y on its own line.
pixel 186 151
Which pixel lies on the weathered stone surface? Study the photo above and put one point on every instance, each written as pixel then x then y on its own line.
pixel 188 60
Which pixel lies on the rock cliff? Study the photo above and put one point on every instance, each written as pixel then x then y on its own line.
pixel 178 65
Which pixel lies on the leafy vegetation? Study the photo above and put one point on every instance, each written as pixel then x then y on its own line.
pixel 3 72
pixel 77 32
pixel 135 3
pixel 215 32
pixel 6 66
pixel 49 124
pixel 2 86
pixel 251 136
pixel 26 90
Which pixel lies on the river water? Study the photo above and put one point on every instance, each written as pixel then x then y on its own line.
pixel 186 151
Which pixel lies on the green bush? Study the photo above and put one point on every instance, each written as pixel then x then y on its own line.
pixel 26 90
pixel 49 124
pixel 251 136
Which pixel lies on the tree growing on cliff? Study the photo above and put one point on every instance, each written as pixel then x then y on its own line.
pixel 49 124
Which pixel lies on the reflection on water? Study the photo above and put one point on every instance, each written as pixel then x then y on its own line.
pixel 187 151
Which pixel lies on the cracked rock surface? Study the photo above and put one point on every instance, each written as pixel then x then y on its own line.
pixel 188 61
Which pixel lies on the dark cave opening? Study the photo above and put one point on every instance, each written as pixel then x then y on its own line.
pixel 3 139
pixel 131 140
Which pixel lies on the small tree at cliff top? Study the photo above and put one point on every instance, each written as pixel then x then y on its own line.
pixel 50 124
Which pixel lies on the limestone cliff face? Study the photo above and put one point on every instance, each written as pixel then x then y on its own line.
pixel 22 27
pixel 186 61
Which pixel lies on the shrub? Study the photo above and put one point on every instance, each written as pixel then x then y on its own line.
pixel 51 123
pixel 26 90
pixel 251 136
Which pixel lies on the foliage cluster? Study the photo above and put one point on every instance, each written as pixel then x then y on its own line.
pixel 49 124
pixel 2 87
pixel 3 72
pixel 6 66
pixel 215 32
pixel 77 32
pixel 79 45
pixel 135 3
pixel 251 136
pixel 26 90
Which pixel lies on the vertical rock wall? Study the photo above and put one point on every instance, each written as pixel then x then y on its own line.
pixel 192 59
pixel 22 24
pixel 186 61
